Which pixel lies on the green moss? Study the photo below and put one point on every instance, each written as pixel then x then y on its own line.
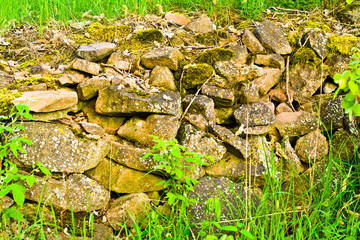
pixel 80 39
pixel 182 37
pixel 5 101
pixel 345 45
pixel 315 23
pixel 102 33
pixel 306 56
pixel 210 56
pixel 50 81
pixel 148 36
pixel 138 92
pixel 196 74
pixel 223 115
pixel 212 38
pixel 181 64
pixel 293 38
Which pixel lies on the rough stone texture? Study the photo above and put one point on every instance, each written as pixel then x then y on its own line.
pixel 48 101
pixel 317 40
pixel 270 78
pixel 221 97
pixel 329 87
pixel 35 87
pixel 312 147
pixel 256 130
pixel 332 113
pixel 249 73
pixel 109 124
pixel 249 93
pixel 286 151
pixel 254 114
pixel 130 156
pixel 101 232
pixel 195 75
pixel 162 77
pixel 231 196
pixel 201 143
pixel 201 25
pixel 163 126
pixel 128 210
pixel 295 123
pixel 90 88
pixel 166 57
pixel 177 18
pixel 337 64
pixel 270 60
pixel 280 95
pixel 201 105
pixel 76 193
pixel 96 52
pixel 241 54
pixel 7 202
pixel 122 179
pixel 272 37
pixel 121 60
pixel 72 79
pixel 86 66
pixel 5 80
pixel 235 144
pixel 350 14
pixel 229 71
pixel 93 128
pixel 343 145
pixel 305 80
pixel 251 42
pixel 283 107
pixel 116 102
pixel 57 148
pixel 49 116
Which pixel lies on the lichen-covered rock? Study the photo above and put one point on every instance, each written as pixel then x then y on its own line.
pixel 90 88
pixel 280 95
pixel 108 123
pixel 241 54
pixel 114 101
pixel 57 148
pixel 270 60
pixel 332 113
pixel 286 151
pixel 196 74
pixel 177 18
pixel 86 66
pixel 295 123
pixel 47 101
pixel 254 114
pixel 350 14
pixel 273 38
pixel 162 77
pixel 128 210
pixel 229 71
pixel 96 52
pixel 256 130
pixel 251 42
pixel 102 231
pixel 270 77
pixel 213 55
pixel 329 87
pixel 343 145
pixel 312 147
pixel 317 40
pixel 121 179
pixel 224 115
pixel 131 157
pixel 102 33
pixel 249 73
pixel 249 93
pixel 222 97
pixel 203 24
pixel 166 57
pixel 213 38
pixel 76 193
pixel 146 37
pixel 201 104
pixel 201 143
pixel 163 126
pixel 337 64
pixel 49 116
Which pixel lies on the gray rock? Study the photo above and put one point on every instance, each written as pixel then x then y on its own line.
pixel 222 97
pixel 85 66
pixel 114 101
pixel 241 54
pixel 90 88
pixel 332 113
pixel 343 145
pixel 57 148
pixel 93 128
pixel 270 77
pixel 166 57
pixel 337 63
pixel 251 42
pixel 162 77
pixel 292 164
pixel 270 60
pixel 201 25
pixel 295 123
pixel 273 38
pixel 96 52
pixel 312 147
pixel 72 79
pixel 101 232
pixel 35 87
pixel 201 105
pixel 350 14
pixel 229 71
pixel 317 40
pixel 254 114
pixel 249 93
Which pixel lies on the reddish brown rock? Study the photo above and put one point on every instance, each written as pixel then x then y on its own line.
pixel 177 18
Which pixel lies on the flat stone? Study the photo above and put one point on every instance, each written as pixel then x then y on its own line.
pixel 312 147
pixel 249 93
pixel 50 116
pixel 76 193
pixel 254 114
pixel 229 71
pixel 48 101
pixel 166 57
pixel 57 148
pixel 96 52
pixel 273 38
pixel 115 101
pixel 35 87
pixel 121 60
pixel 177 18
pixel 270 77
pixel 316 40
pixel 85 66
pixel 241 54
pixel 122 179
pixel 201 25
pixel 295 123
pixel 163 126
pixel 71 79
pixel 283 107
pixel 93 128
pixel 201 105
pixel 270 60
pixel 251 42
pixel 90 88
pixel 256 130
pixel 222 97
pixel 162 77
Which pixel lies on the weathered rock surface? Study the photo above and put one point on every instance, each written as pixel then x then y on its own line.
pixel 72 79
pixel 93 128
pixel 270 60
pixel 270 77
pixel 96 52
pixel 343 145
pixel 57 148
pixel 221 97
pixel 166 57
pixel 286 151
pixel 201 104
pixel 305 80
pixel 121 179
pixel 163 126
pixel 273 38
pixel 249 93
pixel 254 114
pixel 312 147
pixel 241 54
pixel 76 193
pixel 201 25
pixel 86 66
pixel 162 77
pixel 295 123
pixel 350 14
pixel 251 42
pixel 90 88
pixel 195 75
pixel 128 210
pixel 48 101
pixel 337 63
pixel 177 18
pixel 229 71
pixel 317 40
pixel 113 101
pixel 332 113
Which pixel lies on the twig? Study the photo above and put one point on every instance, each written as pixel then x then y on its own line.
pixel 289 10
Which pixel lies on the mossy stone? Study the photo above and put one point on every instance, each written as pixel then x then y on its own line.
pixel 196 74
pixel 306 56
pixel 212 38
pixel 102 33
pixel 210 56
pixel 315 23
pixel 148 36
pixel 345 45
pixel 5 101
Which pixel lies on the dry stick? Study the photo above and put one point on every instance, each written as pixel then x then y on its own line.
pixel 289 10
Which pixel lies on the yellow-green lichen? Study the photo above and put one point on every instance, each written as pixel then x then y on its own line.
pixel 49 80
pixel 102 33
pixel 212 38
pixel 345 45
pixel 305 56
pixel 315 23
pixel 5 101
pixel 293 38
pixel 81 39
pixel 196 74
pixel 210 56
pixel 148 36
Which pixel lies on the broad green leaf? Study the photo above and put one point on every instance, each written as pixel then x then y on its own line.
pixel 229 228
pixel 45 171
pixel 18 191
pixel 337 77
pixel 30 180
pixel 356 109
pixel 349 1
pixel 247 234
pixel 348 101
pixel 354 88
pixel 4 192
